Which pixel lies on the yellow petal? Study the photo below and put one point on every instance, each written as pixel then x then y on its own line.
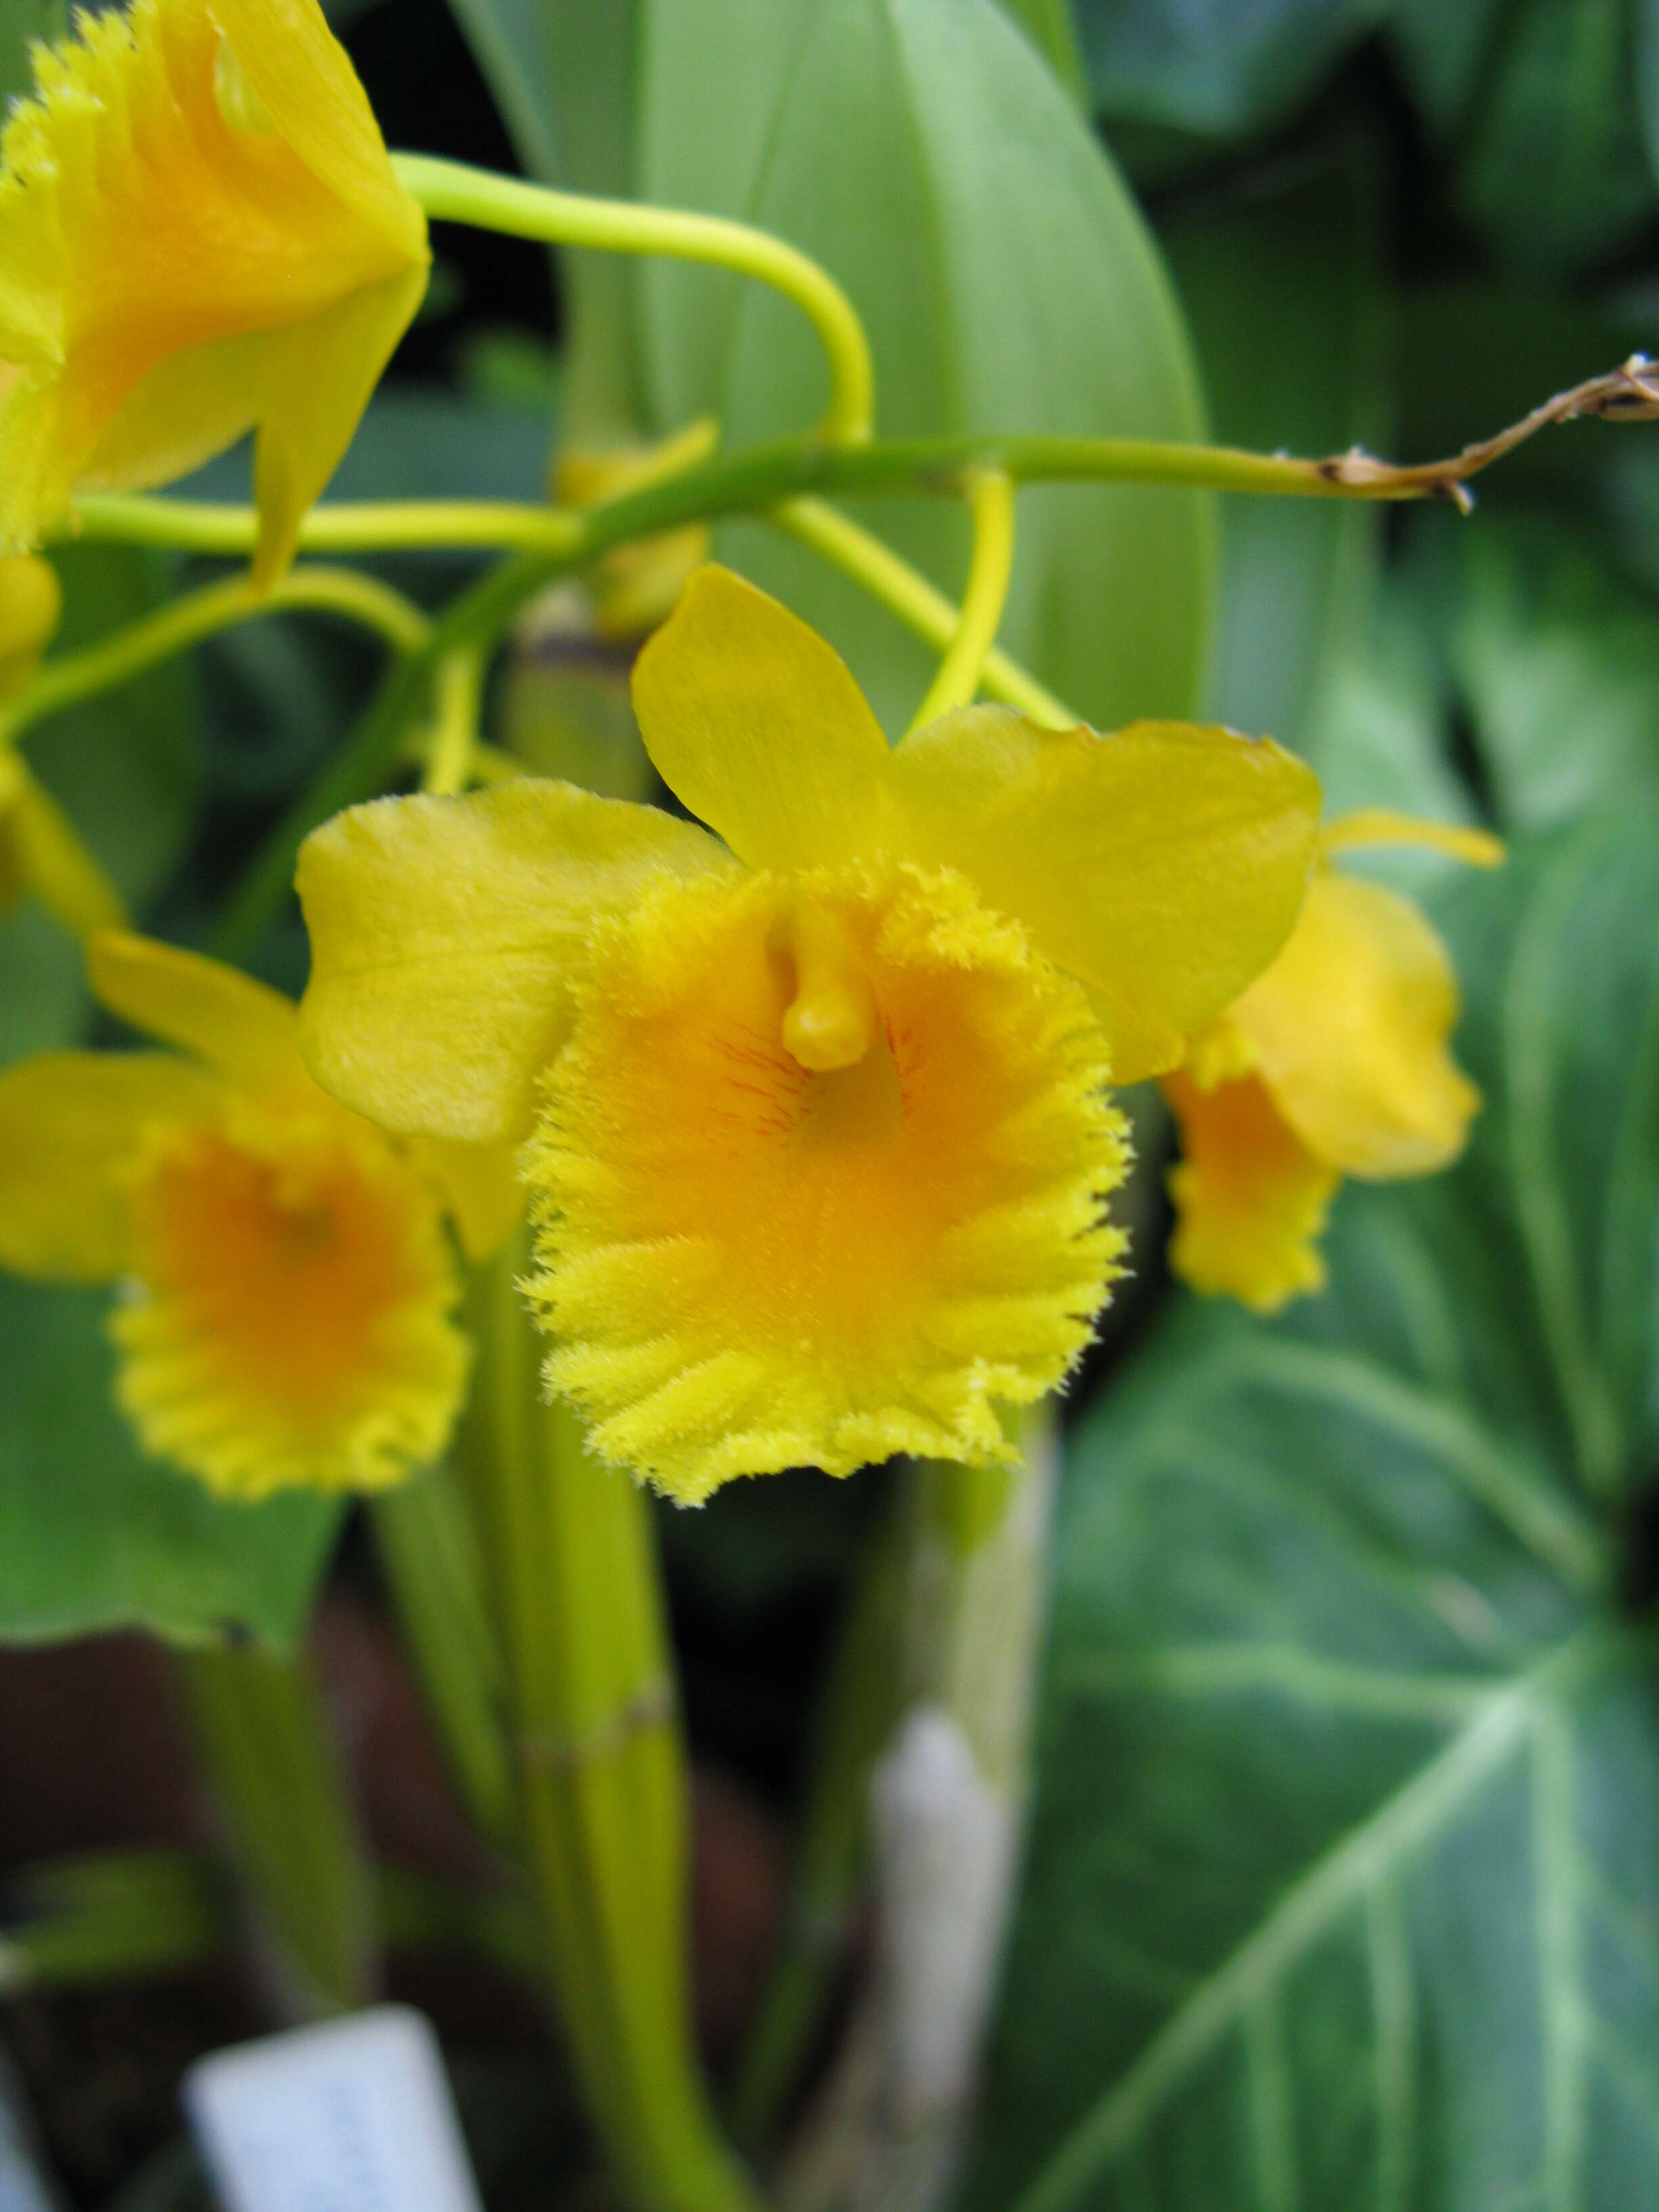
pixel 1380 825
pixel 246 1030
pixel 43 854
pixel 759 727
pixel 1250 1201
pixel 292 1324
pixel 481 1188
pixel 1350 1027
pixel 71 1124
pixel 444 932
pixel 195 181
pixel 31 603
pixel 320 376
pixel 746 1264
pixel 1164 865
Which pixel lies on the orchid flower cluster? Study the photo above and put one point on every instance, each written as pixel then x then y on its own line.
pixel 807 1090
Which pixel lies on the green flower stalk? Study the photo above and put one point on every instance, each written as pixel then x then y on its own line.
pixel 600 1769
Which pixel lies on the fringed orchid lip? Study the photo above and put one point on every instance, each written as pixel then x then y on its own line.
pixel 290 1293
pixel 200 233
pixel 292 1323
pixel 821 1177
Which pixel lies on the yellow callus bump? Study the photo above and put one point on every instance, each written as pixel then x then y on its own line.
pixel 1334 1062
pixel 287 1318
pixel 817 1143
pixel 200 233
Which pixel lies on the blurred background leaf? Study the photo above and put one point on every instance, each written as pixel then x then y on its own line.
pixel 94 1535
pixel 21 22
pixel 1222 68
pixel 1021 292
pixel 1284 291
pixel 1346 1854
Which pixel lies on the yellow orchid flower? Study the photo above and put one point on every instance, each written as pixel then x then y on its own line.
pixel 1333 1062
pixel 818 1149
pixel 200 233
pixel 290 1316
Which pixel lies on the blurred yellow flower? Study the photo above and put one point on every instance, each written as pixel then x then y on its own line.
pixel 289 1315
pixel 818 1147
pixel 1333 1062
pixel 200 233
pixel 31 606
pixel 634 586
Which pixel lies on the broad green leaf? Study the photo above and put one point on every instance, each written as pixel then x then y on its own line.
pixel 93 1536
pixel 1346 1863
pixel 923 152
pixel 1051 28
pixel 1214 67
pixel 1285 297
pixel 1557 657
pixel 562 74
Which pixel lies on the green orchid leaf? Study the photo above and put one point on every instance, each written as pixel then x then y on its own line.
pixel 1555 657
pixel 1346 1863
pixel 1019 292
pixel 95 1536
pixel 562 74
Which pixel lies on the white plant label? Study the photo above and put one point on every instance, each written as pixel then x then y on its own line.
pixel 354 2115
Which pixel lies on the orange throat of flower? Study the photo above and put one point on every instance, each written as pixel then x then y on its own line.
pixel 820 1178
pixel 290 1320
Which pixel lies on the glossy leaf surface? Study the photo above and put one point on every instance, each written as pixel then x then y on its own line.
pixel 95 1536
pixel 925 153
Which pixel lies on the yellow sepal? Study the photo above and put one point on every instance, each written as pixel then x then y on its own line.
pixel 247 1032
pixel 444 935
pixel 1349 1028
pixel 757 726
pixel 71 1123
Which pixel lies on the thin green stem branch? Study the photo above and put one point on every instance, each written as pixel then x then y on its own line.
pixel 455 193
pixel 991 504
pixel 905 592
pixel 209 526
pixel 70 678
pixel 766 476
pixel 455 740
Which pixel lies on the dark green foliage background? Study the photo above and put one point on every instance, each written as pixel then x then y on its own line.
pixel 1344 1873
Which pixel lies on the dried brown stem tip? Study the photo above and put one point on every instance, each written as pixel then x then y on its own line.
pixel 1629 393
